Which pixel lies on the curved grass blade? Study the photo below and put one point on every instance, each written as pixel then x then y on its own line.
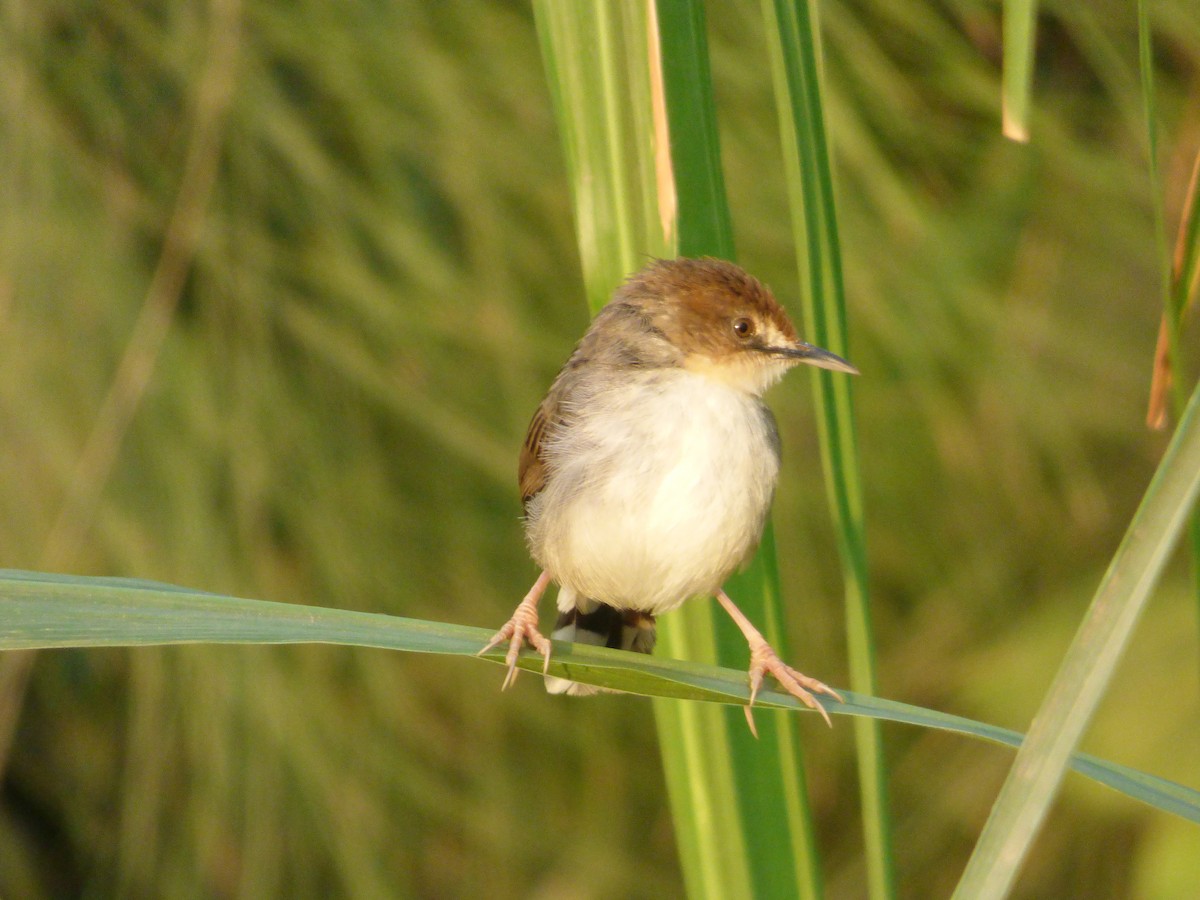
pixel 1088 666
pixel 43 611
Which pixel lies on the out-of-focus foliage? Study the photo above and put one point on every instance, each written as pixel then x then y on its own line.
pixel 381 281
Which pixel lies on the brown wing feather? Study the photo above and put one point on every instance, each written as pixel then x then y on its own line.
pixel 531 471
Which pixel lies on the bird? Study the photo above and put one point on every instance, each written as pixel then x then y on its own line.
pixel 648 471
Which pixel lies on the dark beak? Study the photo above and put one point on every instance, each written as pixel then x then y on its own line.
pixel 815 356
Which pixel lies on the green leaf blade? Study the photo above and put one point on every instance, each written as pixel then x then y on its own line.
pixel 45 611
pixel 1088 666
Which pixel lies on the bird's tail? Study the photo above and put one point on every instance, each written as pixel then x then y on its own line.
pixel 589 622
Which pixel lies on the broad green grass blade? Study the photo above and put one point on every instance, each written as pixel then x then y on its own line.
pixel 1020 32
pixel 795 55
pixel 1088 667
pixel 595 54
pixel 43 611
pixel 769 793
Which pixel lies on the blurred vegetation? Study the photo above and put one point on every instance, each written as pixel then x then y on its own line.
pixel 350 223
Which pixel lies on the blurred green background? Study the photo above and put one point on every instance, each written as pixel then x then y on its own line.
pixel 280 286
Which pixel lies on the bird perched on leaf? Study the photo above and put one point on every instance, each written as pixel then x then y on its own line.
pixel 648 470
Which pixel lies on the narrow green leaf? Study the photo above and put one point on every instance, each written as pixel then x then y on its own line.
pixel 1088 666
pixel 795 57
pixel 1167 357
pixel 44 611
pixel 1020 31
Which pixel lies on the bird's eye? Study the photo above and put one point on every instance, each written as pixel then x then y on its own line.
pixel 743 327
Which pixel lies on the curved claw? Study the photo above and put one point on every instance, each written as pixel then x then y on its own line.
pixel 518 633
pixel 749 710
pixel 763 659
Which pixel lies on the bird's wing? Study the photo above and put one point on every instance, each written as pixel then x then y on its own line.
pixel 531 471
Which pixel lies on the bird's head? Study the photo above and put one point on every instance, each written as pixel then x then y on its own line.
pixel 725 324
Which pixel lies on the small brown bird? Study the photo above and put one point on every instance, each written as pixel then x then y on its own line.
pixel 649 468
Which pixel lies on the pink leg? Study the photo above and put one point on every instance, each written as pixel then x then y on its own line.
pixel 522 628
pixel 763 659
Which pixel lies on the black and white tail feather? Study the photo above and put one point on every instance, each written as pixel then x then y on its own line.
pixel 590 622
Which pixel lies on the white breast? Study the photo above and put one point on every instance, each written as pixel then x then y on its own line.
pixel 657 491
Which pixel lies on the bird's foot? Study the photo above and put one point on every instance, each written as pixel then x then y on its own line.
pixel 764 660
pixel 520 630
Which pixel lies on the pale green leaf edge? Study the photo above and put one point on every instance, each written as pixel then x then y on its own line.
pixel 47 611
